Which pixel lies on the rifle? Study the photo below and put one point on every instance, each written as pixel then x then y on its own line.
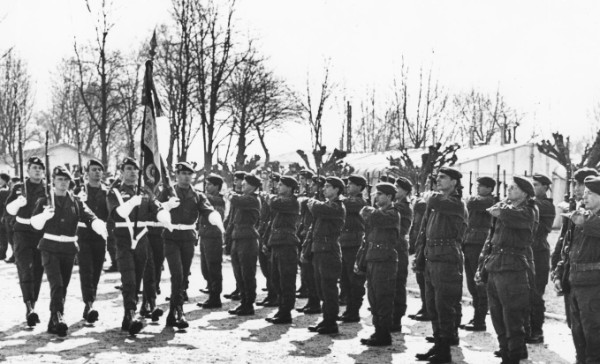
pixel 470 183
pixel 81 180
pixel 49 192
pixel 318 193
pixel 497 199
pixel 504 186
pixel 21 162
pixel 369 202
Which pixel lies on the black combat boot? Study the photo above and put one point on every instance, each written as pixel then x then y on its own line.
pixel 425 356
pixel 136 324
pixel 442 354
pixel 57 325
pixel 155 312
pixel 181 322
pixel 89 314
pixel 214 301
pixel 31 316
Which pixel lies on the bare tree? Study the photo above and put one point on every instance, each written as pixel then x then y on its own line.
pixel 128 91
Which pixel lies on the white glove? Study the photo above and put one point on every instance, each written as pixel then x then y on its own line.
pixel 82 196
pixel 99 227
pixel 125 209
pixel 215 219
pixel 366 212
pixel 13 207
pixel 563 206
pixel 135 201
pixel 173 203
pixel 164 217
pixel 38 221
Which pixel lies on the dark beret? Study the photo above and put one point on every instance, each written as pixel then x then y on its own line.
pixel 215 179
pixel 336 182
pixel 451 172
pixel 386 188
pixel 320 180
pixel 252 180
pixel 184 167
pixel 358 180
pixel 581 173
pixel 129 161
pixel 404 183
pixel 61 171
pixel 542 179
pixel 593 184
pixel 5 177
pixel 276 177
pixel 306 174
pixel 36 160
pixel 239 174
pixel 487 182
pixel 289 181
pixel 94 162
pixel 525 185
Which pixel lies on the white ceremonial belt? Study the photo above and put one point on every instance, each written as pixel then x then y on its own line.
pixel 23 221
pixel 183 227
pixel 61 238
pixel 123 224
pixel 155 224
pixel 81 224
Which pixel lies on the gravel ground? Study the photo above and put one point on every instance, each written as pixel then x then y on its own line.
pixel 214 336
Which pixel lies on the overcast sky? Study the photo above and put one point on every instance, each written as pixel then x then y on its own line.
pixel 543 55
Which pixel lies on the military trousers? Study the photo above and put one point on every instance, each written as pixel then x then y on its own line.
pixel 111 248
pixel 179 255
pixel 244 256
pixel 264 262
pixel 508 298
pixel 328 269
pixel 585 322
pixel 401 278
pixel 92 251
pixel 59 267
pixel 131 264
pixel 29 264
pixel 443 291
pixel 478 292
pixel 420 278
pixel 351 283
pixel 381 281
pixel 154 264
pixel 3 240
pixel 541 260
pixel 284 263
pixel 211 258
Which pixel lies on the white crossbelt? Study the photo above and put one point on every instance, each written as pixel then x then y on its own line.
pixel 23 221
pixel 129 225
pixel 125 224
pixel 60 238
pixel 81 224
pixel 155 224
pixel 183 227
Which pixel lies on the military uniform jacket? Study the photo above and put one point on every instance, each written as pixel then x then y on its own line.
pixel 147 211
pixel 207 230
pixel 266 217
pixel 306 219
pixel 383 233
pixel 192 204
pixel 480 221
pixel 4 193
pixel 354 228
pixel 442 230
pixel 419 208
pixel 68 211
pixel 560 256
pixel 406 215
pixel 246 216
pixel 286 212
pixel 547 215
pixel 584 252
pixel 328 222
pixel 35 191
pixel 507 246
pixel 96 202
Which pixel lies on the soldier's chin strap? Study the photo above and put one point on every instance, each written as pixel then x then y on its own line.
pixel 134 239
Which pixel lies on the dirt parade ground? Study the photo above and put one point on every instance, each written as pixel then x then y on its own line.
pixel 215 336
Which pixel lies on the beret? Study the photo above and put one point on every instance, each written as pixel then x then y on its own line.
pixel 239 174
pixel 336 182
pixel 215 179
pixel 581 173
pixel 130 161
pixel 184 167
pixel 542 179
pixel 252 180
pixel 94 162
pixel 36 160
pixel 5 177
pixel 451 172
pixel 404 183
pixel 487 182
pixel 306 173
pixel 61 171
pixel 386 188
pixel 358 180
pixel 525 185
pixel 289 181
pixel 388 179
pixel 593 184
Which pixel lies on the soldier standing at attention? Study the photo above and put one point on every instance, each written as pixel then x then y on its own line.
pixel 584 275
pixel 179 214
pixel 244 249
pixel 480 222
pixel 238 179
pixel 402 206
pixel 419 207
pixel 92 246
pixel 439 255
pixel 283 243
pixel 20 204
pixel 541 258
pixel 211 243
pixel 127 208
pixel 329 219
pixel 351 239
pixel 264 251
pixel 504 262
pixel 58 245
pixel 4 192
